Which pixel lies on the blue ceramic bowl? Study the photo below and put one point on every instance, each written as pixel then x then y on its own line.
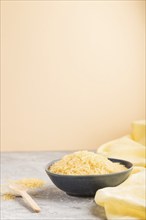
pixel 87 185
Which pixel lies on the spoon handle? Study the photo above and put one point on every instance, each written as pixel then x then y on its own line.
pixel 30 201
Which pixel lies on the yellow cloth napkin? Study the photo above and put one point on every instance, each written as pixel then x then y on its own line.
pixel 125 148
pixel 126 201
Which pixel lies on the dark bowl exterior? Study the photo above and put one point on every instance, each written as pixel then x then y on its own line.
pixel 87 185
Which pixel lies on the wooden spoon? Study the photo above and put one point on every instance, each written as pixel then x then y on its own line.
pixel 22 191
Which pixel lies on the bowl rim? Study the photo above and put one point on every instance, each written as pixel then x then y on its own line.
pixel 92 175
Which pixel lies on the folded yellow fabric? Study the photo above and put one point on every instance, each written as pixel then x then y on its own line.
pixel 125 148
pixel 126 201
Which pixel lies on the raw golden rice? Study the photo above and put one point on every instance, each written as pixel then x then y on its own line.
pixel 85 163
pixel 8 196
pixel 28 183
pixel 31 183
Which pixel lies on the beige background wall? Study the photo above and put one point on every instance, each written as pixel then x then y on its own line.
pixel 72 72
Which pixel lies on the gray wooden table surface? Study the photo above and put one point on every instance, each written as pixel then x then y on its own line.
pixel 54 203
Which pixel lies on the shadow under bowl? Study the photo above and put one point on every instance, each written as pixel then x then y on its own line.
pixel 87 185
